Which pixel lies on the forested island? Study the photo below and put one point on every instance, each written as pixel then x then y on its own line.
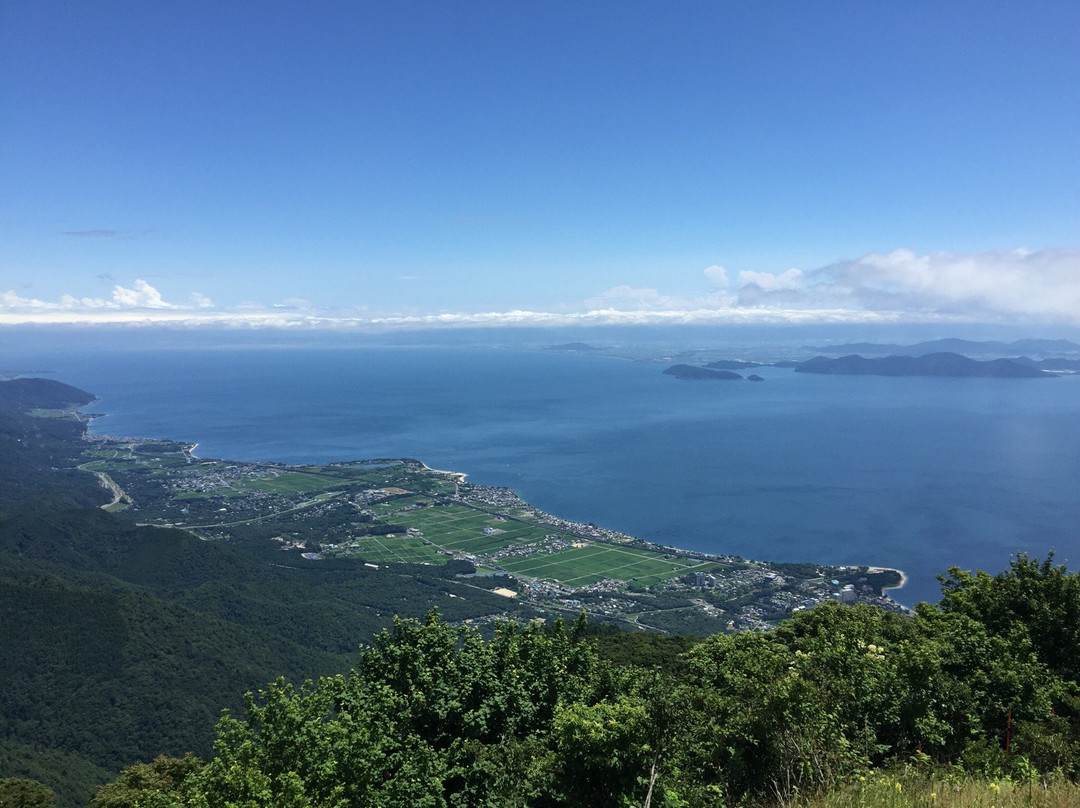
pixel 695 372
pixel 144 589
pixel 1044 354
pixel 932 364
pixel 943 364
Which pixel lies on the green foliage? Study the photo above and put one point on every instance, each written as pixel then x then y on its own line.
pixel 119 643
pixel 1039 600
pixel 71 776
pixel 19 792
pixel 423 721
pixel 115 674
pixel 435 715
pixel 1052 746
pixel 164 783
pixel 766 726
pixel 644 649
pixel 600 751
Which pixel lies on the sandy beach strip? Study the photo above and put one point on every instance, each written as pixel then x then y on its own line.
pixel 901 573
pixel 459 474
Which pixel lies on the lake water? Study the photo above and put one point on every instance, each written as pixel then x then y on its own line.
pixel 916 473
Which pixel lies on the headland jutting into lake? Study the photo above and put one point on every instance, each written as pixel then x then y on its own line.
pixel 387 512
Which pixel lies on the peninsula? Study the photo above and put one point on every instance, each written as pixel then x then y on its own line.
pixel 391 515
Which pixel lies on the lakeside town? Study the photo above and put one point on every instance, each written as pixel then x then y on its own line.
pixel 387 513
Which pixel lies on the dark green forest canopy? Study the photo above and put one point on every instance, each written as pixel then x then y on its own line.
pixel 120 642
pixel 438 715
pixel 40 454
pixel 46 394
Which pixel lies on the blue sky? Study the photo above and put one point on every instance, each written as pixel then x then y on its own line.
pixel 403 164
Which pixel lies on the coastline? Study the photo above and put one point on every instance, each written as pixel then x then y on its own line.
pixel 479 500
pixel 461 475
pixel 901 573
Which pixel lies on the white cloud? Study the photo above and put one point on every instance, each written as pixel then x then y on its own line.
pixel 898 286
pixel 294 304
pixel 141 298
pixel 766 280
pixel 630 317
pixel 627 298
pixel 990 286
pixel 143 295
pixel 12 300
pixel 716 274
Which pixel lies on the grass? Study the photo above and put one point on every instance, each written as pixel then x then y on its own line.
pixel 385 550
pixel 290 482
pixel 581 566
pixel 909 788
pixel 455 528
pixel 284 484
pixel 388 507
pixel 461 529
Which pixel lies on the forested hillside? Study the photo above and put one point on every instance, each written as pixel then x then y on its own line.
pixel 121 643
pixel 435 715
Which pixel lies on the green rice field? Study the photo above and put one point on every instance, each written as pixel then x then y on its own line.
pixel 455 527
pixel 399 549
pixel 461 529
pixel 581 566
pixel 518 545
pixel 290 482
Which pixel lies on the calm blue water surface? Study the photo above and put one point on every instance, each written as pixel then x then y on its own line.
pixel 915 473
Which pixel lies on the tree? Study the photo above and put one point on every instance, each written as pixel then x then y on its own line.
pixel 433 716
pixel 763 726
pixel 161 784
pixel 21 792
pixel 323 745
pixel 1041 600
pixel 600 752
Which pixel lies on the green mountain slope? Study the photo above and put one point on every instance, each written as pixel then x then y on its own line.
pixel 120 643
pixel 96 669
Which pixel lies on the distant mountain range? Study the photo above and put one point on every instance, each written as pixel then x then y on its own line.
pixel 1038 347
pixel 934 364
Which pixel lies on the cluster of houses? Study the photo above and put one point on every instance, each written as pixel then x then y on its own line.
pixel 551 543
pixel 491 497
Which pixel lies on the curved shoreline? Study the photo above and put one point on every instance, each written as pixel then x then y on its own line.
pixel 459 477
pixel 901 573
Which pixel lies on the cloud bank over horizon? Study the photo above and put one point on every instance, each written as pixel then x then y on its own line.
pixel 1002 287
